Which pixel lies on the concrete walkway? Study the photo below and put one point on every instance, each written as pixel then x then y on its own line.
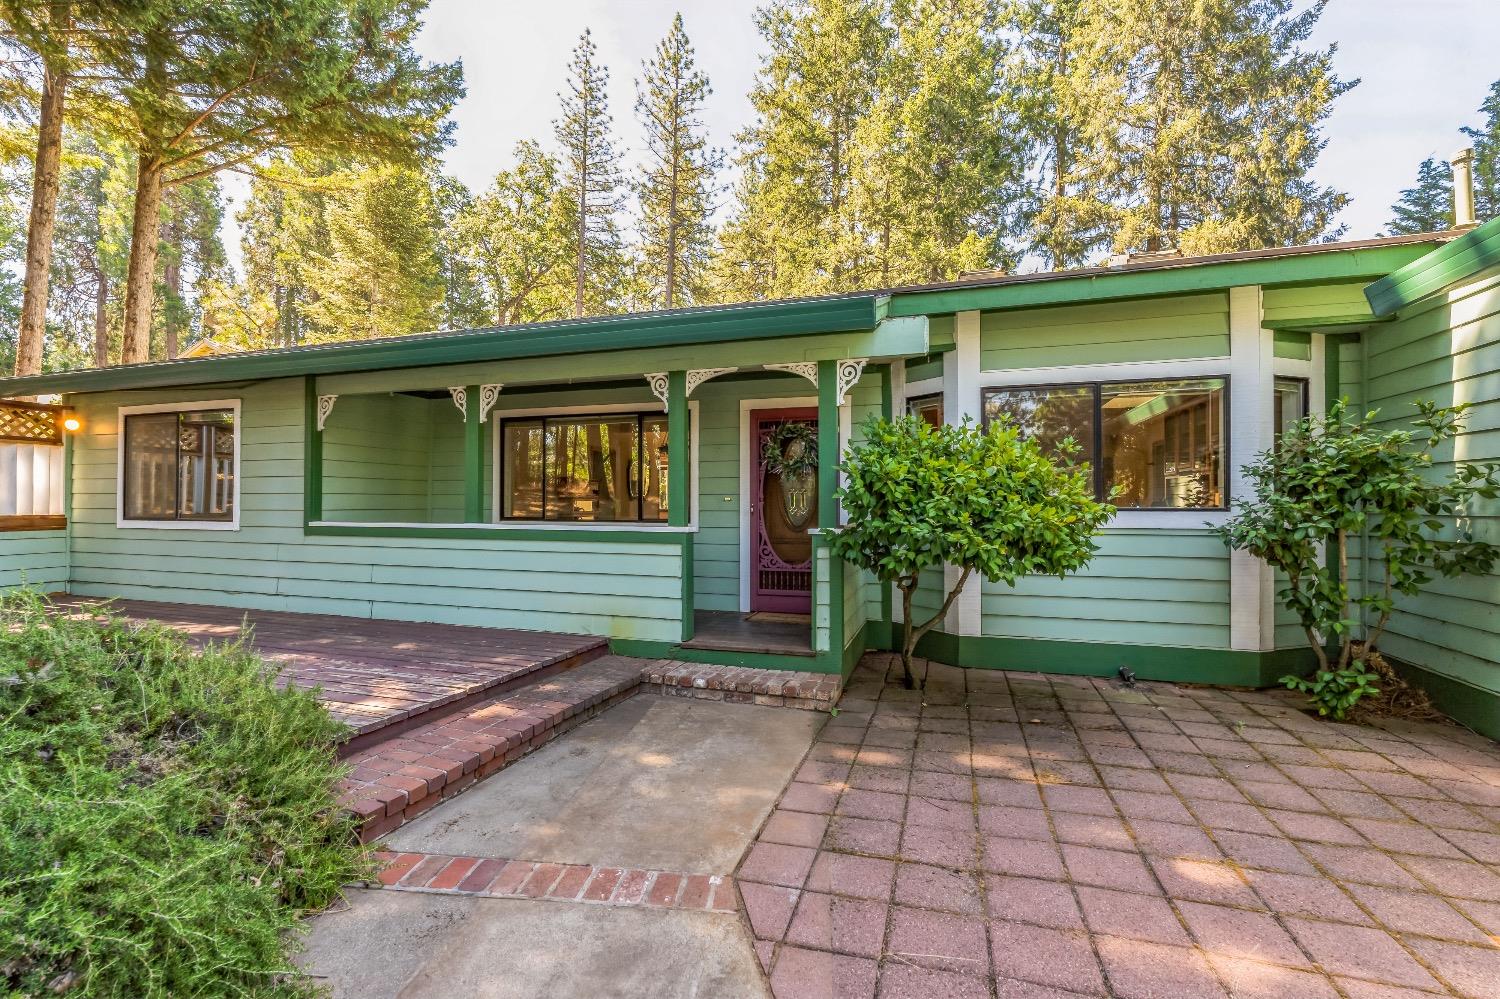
pixel 661 784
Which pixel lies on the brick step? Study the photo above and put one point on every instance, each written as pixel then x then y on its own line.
pixel 431 699
pixel 398 778
pixel 494 877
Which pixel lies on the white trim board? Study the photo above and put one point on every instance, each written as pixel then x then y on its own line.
pixel 742 583
pixel 497 416
pixel 185 406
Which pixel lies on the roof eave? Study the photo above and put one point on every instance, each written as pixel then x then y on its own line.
pixel 1474 251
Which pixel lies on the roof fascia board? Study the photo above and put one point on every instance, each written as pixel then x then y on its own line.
pixel 1476 250
pixel 609 333
pixel 890 339
pixel 1302 268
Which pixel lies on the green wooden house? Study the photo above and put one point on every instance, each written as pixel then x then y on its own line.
pixel 607 475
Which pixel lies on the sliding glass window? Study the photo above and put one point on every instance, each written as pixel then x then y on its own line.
pixel 1160 443
pixel 179 466
pixel 584 468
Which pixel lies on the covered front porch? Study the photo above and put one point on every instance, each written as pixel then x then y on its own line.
pixel 635 494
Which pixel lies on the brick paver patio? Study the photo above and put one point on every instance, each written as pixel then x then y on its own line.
pixel 1040 837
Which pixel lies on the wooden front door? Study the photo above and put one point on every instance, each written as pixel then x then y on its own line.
pixel 780 548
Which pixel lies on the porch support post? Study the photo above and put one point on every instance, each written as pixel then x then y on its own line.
pixel 1252 591
pixel 960 402
pixel 888 412
pixel 473 464
pixel 828 511
pixel 312 453
pixel 679 484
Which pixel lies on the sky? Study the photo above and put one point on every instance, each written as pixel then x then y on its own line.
pixel 1421 78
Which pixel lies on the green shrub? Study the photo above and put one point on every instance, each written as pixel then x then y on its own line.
pixel 988 500
pixel 166 813
pixel 1334 693
pixel 1340 501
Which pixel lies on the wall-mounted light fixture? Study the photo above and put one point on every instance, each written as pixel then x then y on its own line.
pixel 71 423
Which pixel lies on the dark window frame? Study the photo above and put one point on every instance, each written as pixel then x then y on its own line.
pixel 232 514
pixel 542 419
pixel 913 401
pixel 1098 465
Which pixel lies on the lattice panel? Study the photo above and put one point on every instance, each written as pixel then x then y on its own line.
pixel 29 424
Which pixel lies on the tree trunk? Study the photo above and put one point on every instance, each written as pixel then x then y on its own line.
pixel 140 280
pixel 101 320
pixel 43 220
pixel 173 280
pixel 907 680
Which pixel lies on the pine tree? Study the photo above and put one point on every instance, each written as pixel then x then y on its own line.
pixel 936 161
pixel 515 240
pixel 676 185
pixel 1428 206
pixel 1064 225
pixel 1200 121
pixel 790 234
pixel 207 85
pixel 381 275
pixel 1486 143
pixel 191 255
pixel 591 180
pixel 90 246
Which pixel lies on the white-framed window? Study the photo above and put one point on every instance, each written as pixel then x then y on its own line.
pixel 179 466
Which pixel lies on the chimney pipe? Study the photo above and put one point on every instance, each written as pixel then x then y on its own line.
pixel 1463 188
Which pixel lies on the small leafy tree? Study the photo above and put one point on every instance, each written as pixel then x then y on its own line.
pixel 1337 478
pixel 986 500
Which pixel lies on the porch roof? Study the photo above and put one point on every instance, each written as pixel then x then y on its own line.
pixel 1369 259
pixel 676 328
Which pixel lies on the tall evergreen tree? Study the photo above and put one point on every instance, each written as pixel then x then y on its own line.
pixel 210 85
pixel 592 181
pixel 1427 206
pixel 92 234
pixel 676 185
pixel 816 83
pixel 1200 121
pixel 191 255
pixel 381 275
pixel 1486 142
pixel 937 161
pixel 515 240
pixel 1064 225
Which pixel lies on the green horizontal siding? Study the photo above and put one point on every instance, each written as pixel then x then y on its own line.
pixel 1305 306
pixel 1106 332
pixel 1144 587
pixel 37 559
pixel 1446 349
pixel 601 586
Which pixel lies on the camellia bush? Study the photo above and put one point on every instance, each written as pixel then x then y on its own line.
pixel 166 813
pixel 989 501
pixel 1336 490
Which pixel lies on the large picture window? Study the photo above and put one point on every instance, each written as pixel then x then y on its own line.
pixel 584 468
pixel 178 466
pixel 1160 443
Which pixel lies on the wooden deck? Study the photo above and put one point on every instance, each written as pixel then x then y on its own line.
pixel 375 675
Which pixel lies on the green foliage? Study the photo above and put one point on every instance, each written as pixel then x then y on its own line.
pixel 1486 143
pixel 514 237
pixel 167 813
pixel 990 501
pixel 1428 205
pixel 380 275
pixel 792 449
pixel 676 185
pixel 1200 121
pixel 1335 482
pixel 1335 693
pixel 591 195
